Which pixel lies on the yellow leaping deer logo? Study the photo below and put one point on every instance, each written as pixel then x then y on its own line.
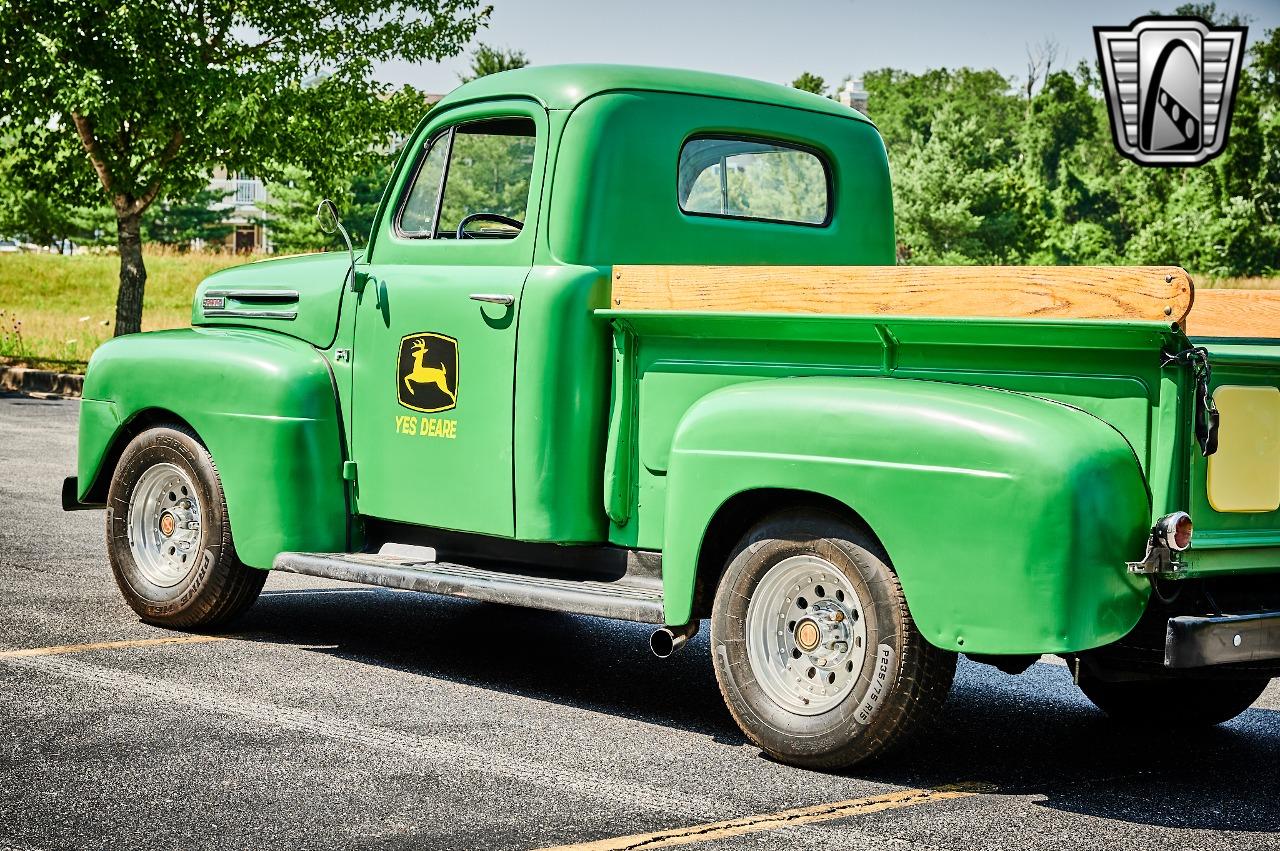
pixel 437 375
pixel 427 376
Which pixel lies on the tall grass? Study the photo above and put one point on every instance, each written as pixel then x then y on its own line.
pixel 56 309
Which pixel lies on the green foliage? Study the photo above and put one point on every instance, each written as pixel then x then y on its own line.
pixel 291 207
pixel 982 174
pixel 807 82
pixel 130 102
pixel 182 220
pixel 486 60
pixel 488 173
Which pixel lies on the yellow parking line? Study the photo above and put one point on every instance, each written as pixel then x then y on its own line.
pixel 768 821
pixel 109 645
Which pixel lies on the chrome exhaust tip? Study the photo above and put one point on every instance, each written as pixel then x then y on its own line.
pixel 666 641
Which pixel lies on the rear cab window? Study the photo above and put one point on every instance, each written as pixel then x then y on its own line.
pixel 754 179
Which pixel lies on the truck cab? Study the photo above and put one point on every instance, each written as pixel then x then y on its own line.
pixel 630 343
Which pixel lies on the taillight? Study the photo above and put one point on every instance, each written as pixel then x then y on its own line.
pixel 1175 530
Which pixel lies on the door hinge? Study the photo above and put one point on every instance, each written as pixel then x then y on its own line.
pixel 348 471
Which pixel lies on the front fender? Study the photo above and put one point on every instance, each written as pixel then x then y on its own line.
pixel 264 405
pixel 1008 517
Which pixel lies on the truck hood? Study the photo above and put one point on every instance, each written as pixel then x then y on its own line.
pixel 299 296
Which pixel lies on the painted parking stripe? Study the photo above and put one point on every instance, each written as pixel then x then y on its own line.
pixel 109 645
pixel 769 821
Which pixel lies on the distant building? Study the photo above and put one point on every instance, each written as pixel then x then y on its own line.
pixel 853 95
pixel 242 211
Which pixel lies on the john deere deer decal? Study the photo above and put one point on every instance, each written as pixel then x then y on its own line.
pixel 427 372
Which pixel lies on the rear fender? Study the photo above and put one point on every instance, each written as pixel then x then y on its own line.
pixel 1008 518
pixel 264 404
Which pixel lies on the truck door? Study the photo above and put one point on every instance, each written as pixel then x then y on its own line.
pixel 434 350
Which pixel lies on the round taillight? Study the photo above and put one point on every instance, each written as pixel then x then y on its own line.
pixel 1175 530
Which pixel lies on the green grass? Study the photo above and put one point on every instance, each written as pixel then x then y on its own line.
pixel 55 310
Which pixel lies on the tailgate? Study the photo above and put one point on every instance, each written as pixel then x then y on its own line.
pixel 1235 493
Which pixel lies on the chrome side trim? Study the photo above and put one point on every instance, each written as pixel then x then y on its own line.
pixel 255 295
pixel 246 313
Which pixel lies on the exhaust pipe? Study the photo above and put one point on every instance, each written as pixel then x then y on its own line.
pixel 667 640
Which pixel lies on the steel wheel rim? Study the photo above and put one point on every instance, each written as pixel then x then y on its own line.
pixel 164 525
pixel 806 635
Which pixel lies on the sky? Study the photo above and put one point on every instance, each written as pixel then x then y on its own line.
pixel 777 40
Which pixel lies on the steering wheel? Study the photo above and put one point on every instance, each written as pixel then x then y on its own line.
pixel 488 217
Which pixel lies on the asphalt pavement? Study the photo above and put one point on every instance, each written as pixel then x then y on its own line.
pixel 343 716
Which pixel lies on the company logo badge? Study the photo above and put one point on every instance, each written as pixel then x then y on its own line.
pixel 214 302
pixel 1170 84
pixel 427 372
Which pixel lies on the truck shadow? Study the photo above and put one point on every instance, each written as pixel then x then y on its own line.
pixel 1032 736
pixel 1036 736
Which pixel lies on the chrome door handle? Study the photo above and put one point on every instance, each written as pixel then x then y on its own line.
pixel 494 298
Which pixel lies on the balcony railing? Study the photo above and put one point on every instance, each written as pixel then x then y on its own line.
pixel 240 191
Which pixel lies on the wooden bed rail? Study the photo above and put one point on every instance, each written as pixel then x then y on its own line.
pixel 1156 293
pixel 1236 313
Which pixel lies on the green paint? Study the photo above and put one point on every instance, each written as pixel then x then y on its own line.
pixel 1009 467
pixel 264 406
pixel 317 278
pixel 1233 542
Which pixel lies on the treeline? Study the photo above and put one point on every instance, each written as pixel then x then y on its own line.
pixel 986 172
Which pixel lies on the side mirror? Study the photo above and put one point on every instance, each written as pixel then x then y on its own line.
pixel 327 216
pixel 329 221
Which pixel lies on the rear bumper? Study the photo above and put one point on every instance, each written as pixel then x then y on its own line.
pixel 1199 642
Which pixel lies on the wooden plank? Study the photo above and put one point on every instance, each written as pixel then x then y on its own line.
pixel 1235 313
pixel 1157 293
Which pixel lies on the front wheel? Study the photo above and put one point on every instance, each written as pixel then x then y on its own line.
pixel 168 536
pixel 815 651
pixel 1186 701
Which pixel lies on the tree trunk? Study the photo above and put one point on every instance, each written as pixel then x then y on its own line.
pixel 133 274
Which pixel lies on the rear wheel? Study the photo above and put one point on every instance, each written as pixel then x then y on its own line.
pixel 168 537
pixel 1184 701
pixel 814 649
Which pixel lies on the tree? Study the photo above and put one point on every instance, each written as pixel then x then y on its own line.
pixel 153 94
pixel 486 60
pixel 291 206
pixel 180 221
pixel 807 82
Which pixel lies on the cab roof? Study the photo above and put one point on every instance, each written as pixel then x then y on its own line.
pixel 566 86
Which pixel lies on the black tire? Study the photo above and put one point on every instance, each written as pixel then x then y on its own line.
pixel 912 677
pixel 1186 702
pixel 217 587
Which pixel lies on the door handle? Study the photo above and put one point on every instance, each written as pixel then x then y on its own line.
pixel 494 298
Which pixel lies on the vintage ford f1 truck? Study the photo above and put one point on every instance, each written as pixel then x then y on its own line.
pixel 579 366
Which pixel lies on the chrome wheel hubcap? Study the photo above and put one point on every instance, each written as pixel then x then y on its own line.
pixel 806 635
pixel 164 525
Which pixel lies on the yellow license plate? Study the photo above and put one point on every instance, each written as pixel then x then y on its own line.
pixel 1244 474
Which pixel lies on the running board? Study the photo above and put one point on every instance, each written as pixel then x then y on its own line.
pixel 629 598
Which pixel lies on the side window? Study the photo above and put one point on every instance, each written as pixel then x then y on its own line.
pixel 478 173
pixel 744 179
pixel 418 214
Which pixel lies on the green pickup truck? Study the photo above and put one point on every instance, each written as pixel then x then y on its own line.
pixel 630 343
